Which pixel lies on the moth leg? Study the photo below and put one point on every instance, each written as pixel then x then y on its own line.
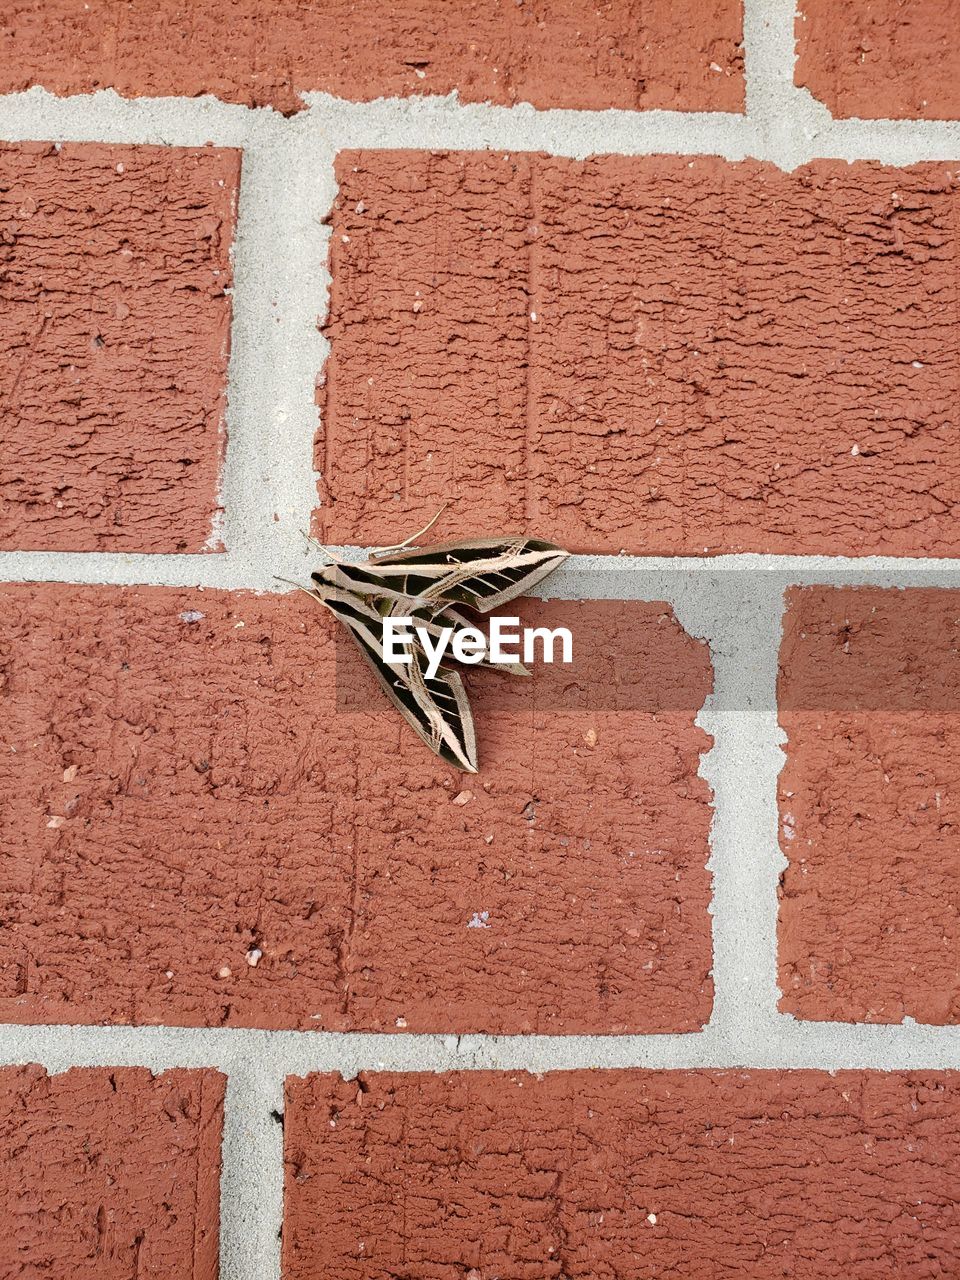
pixel 300 587
pixel 331 555
pixel 399 546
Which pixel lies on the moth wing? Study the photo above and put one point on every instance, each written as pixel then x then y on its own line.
pixel 377 598
pixel 483 573
pixel 478 548
pixel 449 617
pixel 437 708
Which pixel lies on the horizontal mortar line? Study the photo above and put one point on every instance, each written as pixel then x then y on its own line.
pixel 813 134
pixel 237 572
pixel 213 569
pixel 908 140
pixel 428 122
pixel 38 115
pixel 384 122
pixel 445 122
pixel 782 1045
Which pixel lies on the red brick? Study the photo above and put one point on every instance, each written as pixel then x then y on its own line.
pixel 881 58
pixel 110 1174
pixel 187 784
pixel 869 692
pixel 705 1175
pixel 676 54
pixel 114 333
pixel 725 357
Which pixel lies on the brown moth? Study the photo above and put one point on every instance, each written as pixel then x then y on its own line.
pixel 431 585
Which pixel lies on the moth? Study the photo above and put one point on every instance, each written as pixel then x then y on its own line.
pixel 432 585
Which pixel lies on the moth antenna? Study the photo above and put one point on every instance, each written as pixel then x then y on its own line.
pixel 331 555
pixel 399 546
pixel 300 587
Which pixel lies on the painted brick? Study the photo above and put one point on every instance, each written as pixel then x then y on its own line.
pixel 881 58
pixel 675 54
pixel 869 691
pixel 194 777
pixel 114 334
pixel 110 1174
pixel 708 1175
pixel 657 354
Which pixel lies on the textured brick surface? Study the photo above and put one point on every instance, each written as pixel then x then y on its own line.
pixel 201 830
pixel 660 354
pixel 870 904
pixel 676 54
pixel 110 1175
pixel 881 58
pixel 114 332
pixel 593 1175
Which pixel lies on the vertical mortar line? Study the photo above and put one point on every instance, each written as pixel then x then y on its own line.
pixel 268 484
pixel 251 1176
pixel 245 337
pixel 313 155
pixel 768 54
pixel 308 284
pixel 787 119
pixel 743 768
pixel 280 355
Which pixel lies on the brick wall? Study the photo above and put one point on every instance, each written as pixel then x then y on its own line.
pixel 672 986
